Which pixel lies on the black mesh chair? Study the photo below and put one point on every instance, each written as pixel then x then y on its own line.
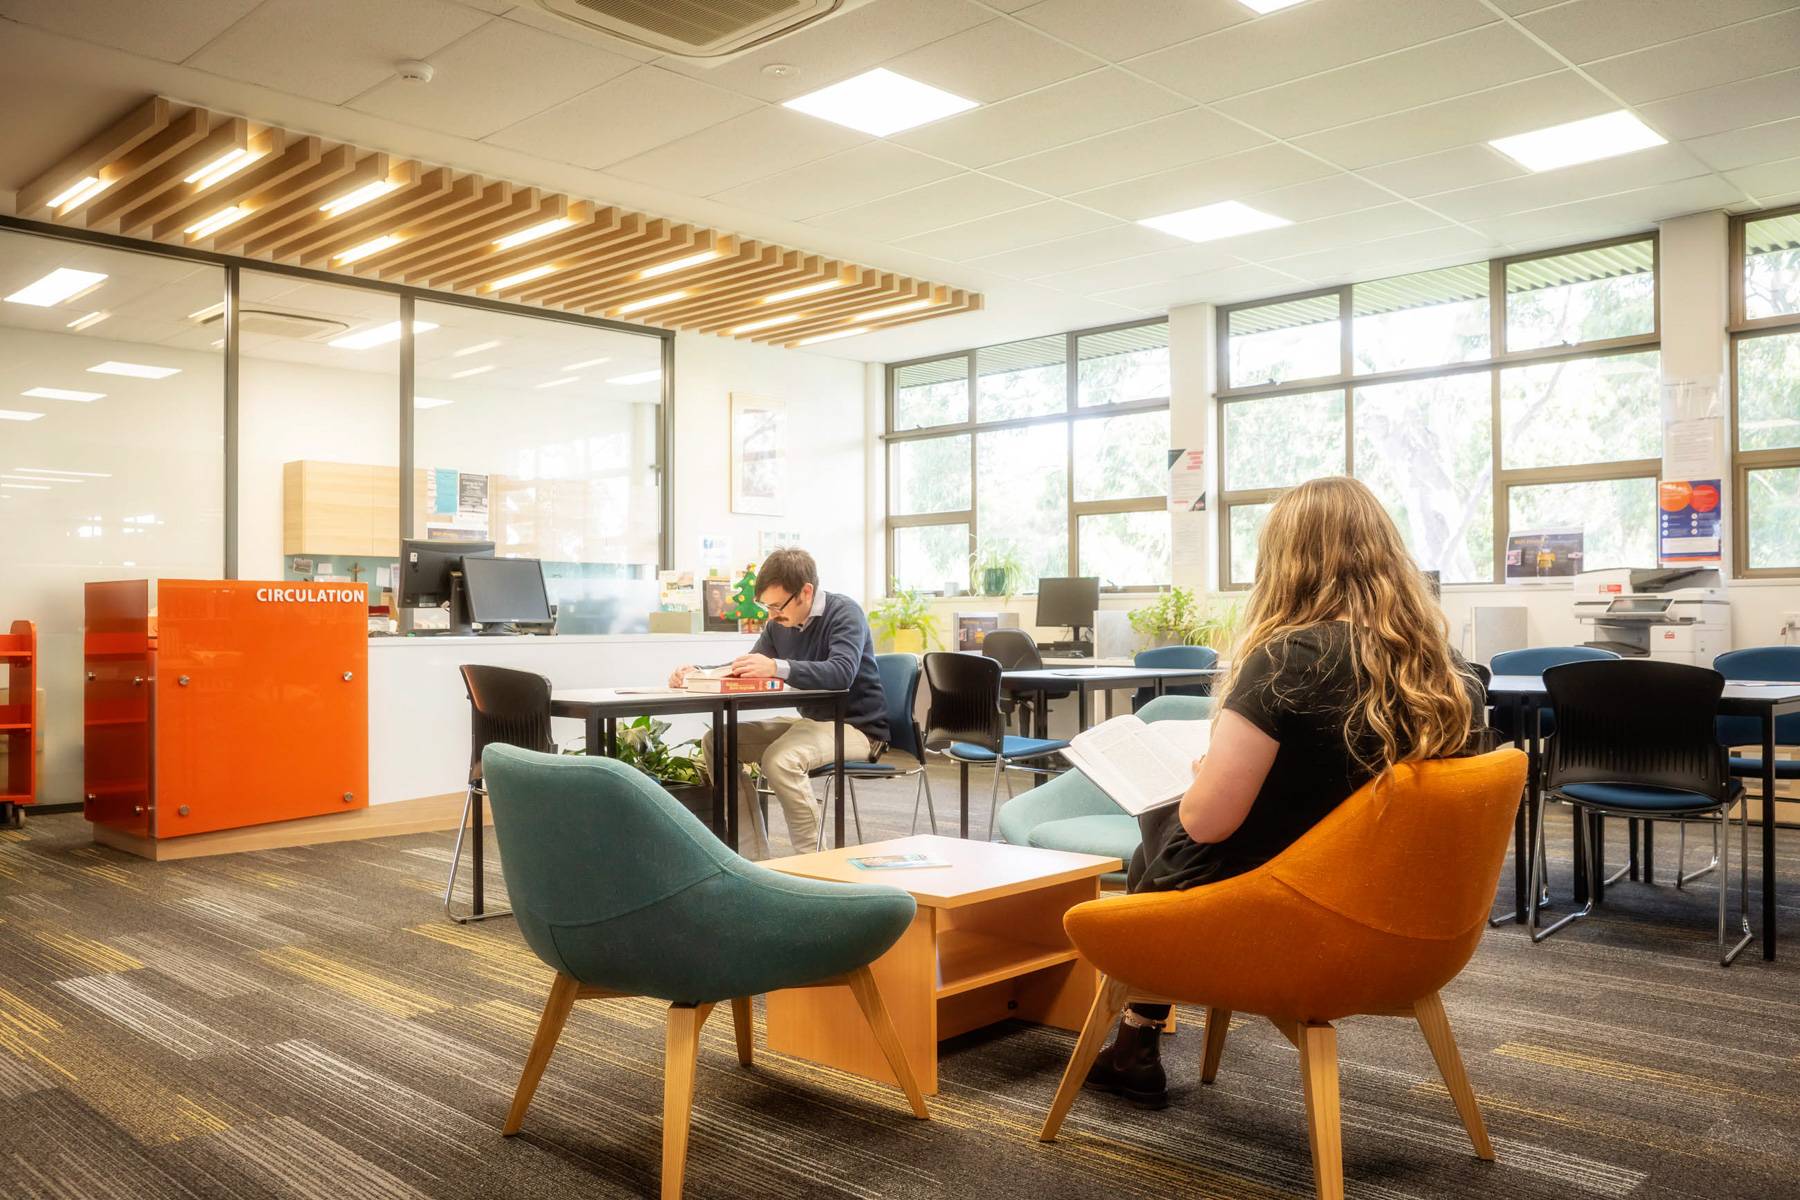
pixel 512 708
pixel 1016 650
pixel 1637 738
pixel 964 725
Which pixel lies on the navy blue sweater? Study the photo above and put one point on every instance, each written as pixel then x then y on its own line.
pixel 832 650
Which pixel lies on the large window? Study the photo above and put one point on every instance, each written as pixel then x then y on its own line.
pixel 1477 401
pixel 1765 348
pixel 1058 467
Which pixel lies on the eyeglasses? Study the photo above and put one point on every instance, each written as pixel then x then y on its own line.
pixel 779 608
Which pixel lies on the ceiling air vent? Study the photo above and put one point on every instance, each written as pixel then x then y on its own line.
pixel 706 29
pixel 271 322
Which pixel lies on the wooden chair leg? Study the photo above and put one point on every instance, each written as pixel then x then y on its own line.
pixel 556 1011
pixel 1109 1000
pixel 1319 1072
pixel 1434 1023
pixel 1218 1021
pixel 740 1020
pixel 680 1055
pixel 868 998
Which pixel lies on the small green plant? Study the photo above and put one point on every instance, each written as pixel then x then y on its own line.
pixel 1177 617
pixel 997 571
pixel 905 609
pixel 641 745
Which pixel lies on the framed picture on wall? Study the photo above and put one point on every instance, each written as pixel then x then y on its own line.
pixel 758 455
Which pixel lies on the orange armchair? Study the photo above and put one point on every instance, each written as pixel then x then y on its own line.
pixel 1372 912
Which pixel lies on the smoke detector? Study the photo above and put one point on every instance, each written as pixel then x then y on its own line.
pixel 414 70
pixel 703 30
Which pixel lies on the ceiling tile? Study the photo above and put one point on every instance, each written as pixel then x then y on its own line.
pixel 1768 181
pixel 1729 106
pixel 1008 231
pixel 1300 41
pixel 1193 135
pixel 1326 196
pixel 1120 29
pixel 948 202
pixel 167 32
pixel 857 176
pixel 1588 30
pixel 333 50
pixel 1065 112
pixel 1444 171
pixel 1144 268
pixel 1465 120
pixel 1449 246
pixel 623 117
pixel 992 62
pixel 1707 60
pixel 477 89
pixel 1087 250
pixel 1520 7
pixel 1247 282
pixel 1748 147
pixel 1453 66
pixel 530 14
pixel 1229 178
pixel 1629 172
pixel 1349 229
pixel 762 142
pixel 1619 213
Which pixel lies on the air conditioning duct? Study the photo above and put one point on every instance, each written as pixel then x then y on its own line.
pixel 707 30
pixel 269 322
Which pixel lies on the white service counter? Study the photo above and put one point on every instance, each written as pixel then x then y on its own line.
pixel 419 712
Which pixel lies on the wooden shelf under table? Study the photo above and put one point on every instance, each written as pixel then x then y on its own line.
pixel 970 959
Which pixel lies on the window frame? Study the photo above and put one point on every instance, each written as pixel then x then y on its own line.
pixel 1495 364
pixel 1743 462
pixel 1071 413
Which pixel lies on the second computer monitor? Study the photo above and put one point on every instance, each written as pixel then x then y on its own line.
pixel 506 591
pixel 1068 601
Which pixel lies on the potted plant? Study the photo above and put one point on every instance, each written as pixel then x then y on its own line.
pixel 1177 618
pixel 676 767
pixel 904 622
pixel 997 571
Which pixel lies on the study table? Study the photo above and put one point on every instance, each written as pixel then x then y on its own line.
pixel 1084 681
pixel 1763 701
pixel 601 708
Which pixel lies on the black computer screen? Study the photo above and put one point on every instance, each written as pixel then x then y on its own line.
pixel 506 590
pixel 1068 601
pixel 425 567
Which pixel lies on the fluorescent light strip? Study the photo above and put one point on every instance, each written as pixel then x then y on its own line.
pixel 472 371
pixel 477 348
pixel 208 226
pixel 431 402
pixel 1210 222
pixel 88 322
pixel 1605 136
pixel 651 302
pixel 358 198
pixel 380 335
pixel 206 314
pixel 222 167
pixel 50 393
pixel 587 362
pixel 517 278
pixel 1268 6
pixel 541 230
pixel 40 479
pixel 831 337
pixel 59 471
pixel 880 102
pixel 375 246
pixel 77 191
pixel 134 370
pixel 25 487
pixel 637 377
pixel 13 414
pixel 64 283
pixel 559 382
pixel 679 264
pixel 765 323
pixel 892 310
pixel 811 289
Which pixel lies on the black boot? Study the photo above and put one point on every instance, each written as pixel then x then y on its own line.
pixel 1132 1066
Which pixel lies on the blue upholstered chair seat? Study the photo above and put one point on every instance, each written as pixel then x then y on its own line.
pixel 1013 747
pixel 1785 768
pixel 1097 834
pixel 1619 796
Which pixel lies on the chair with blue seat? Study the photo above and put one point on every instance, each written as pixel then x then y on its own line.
pixel 1191 657
pixel 1638 739
pixel 624 893
pixel 965 725
pixel 1070 813
pixel 900 685
pixel 1779 664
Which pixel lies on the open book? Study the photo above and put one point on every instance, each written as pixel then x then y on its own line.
pixel 1140 765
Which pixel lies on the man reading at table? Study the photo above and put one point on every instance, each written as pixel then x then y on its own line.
pixel 813 639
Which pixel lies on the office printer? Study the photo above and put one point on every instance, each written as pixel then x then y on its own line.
pixel 1677 614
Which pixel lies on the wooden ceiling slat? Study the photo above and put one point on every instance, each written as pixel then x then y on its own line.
pixel 750 262
pixel 846 311
pixel 295 204
pixel 529 207
pixel 269 173
pixel 148 184
pixel 483 253
pixel 497 200
pixel 608 228
pixel 272 239
pixel 316 244
pixel 970 302
pixel 96 155
pixel 788 268
pixel 619 265
pixel 181 132
pixel 859 291
pixel 258 142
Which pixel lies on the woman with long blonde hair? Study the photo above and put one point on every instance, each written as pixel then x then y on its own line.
pixel 1344 668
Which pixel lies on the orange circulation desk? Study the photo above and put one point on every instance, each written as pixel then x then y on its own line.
pixel 214 704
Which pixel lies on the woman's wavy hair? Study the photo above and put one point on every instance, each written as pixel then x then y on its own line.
pixel 1329 551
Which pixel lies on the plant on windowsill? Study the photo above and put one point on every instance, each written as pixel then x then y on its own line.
pixel 1177 618
pixel 904 622
pixel 997 572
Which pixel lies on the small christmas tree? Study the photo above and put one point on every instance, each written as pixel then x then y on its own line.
pixel 749 615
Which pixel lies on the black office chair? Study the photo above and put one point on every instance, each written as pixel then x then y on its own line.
pixel 1016 650
pixel 511 708
pixel 1638 739
pixel 964 725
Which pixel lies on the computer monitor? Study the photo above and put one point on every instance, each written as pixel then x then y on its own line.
pixel 1070 601
pixel 506 591
pixel 431 575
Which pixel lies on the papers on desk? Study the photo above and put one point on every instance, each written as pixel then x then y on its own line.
pixel 650 691
pixel 1138 764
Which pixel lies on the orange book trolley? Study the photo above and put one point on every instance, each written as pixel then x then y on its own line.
pixel 215 704
pixel 18 721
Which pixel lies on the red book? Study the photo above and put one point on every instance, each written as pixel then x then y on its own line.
pixel 734 684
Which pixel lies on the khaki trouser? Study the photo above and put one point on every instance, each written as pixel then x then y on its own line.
pixel 786 748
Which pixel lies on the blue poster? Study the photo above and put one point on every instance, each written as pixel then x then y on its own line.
pixel 444 491
pixel 1688 520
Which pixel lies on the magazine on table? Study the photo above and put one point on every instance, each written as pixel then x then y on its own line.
pixel 897 862
pixel 1139 764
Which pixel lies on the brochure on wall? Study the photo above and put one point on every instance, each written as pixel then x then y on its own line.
pixel 1543 554
pixel 1691 449
pixel 1689 521
pixel 440 488
pixel 1187 480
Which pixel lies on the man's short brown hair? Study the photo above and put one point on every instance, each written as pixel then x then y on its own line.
pixel 790 569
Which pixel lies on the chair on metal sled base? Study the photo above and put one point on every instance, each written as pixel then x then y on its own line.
pixel 622 892
pixel 1766 663
pixel 964 724
pixel 506 707
pixel 1639 738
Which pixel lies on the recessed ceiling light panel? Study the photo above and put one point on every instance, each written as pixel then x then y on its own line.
pixel 880 102
pixel 12 414
pixel 636 377
pixel 134 370
pixel 64 283
pixel 50 393
pixel 1210 222
pixel 1269 6
pixel 1605 136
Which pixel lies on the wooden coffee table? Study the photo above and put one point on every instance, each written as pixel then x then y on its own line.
pixel 987 944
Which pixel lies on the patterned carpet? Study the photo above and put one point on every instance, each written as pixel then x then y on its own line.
pixel 303 1023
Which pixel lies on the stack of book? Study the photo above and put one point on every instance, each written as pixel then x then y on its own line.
pixel 721 680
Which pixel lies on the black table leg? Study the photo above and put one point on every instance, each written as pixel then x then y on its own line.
pixel 612 737
pixel 731 773
pixel 477 905
pixel 1768 836
pixel 1631 833
pixel 837 733
pixel 1081 707
pixel 596 732
pixel 1598 881
pixel 1649 860
pixel 963 827
pixel 723 785
pixel 1521 821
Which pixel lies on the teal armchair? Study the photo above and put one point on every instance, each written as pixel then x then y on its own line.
pixel 1070 813
pixel 622 892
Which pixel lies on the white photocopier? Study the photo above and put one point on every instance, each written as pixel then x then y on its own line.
pixel 1677 614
